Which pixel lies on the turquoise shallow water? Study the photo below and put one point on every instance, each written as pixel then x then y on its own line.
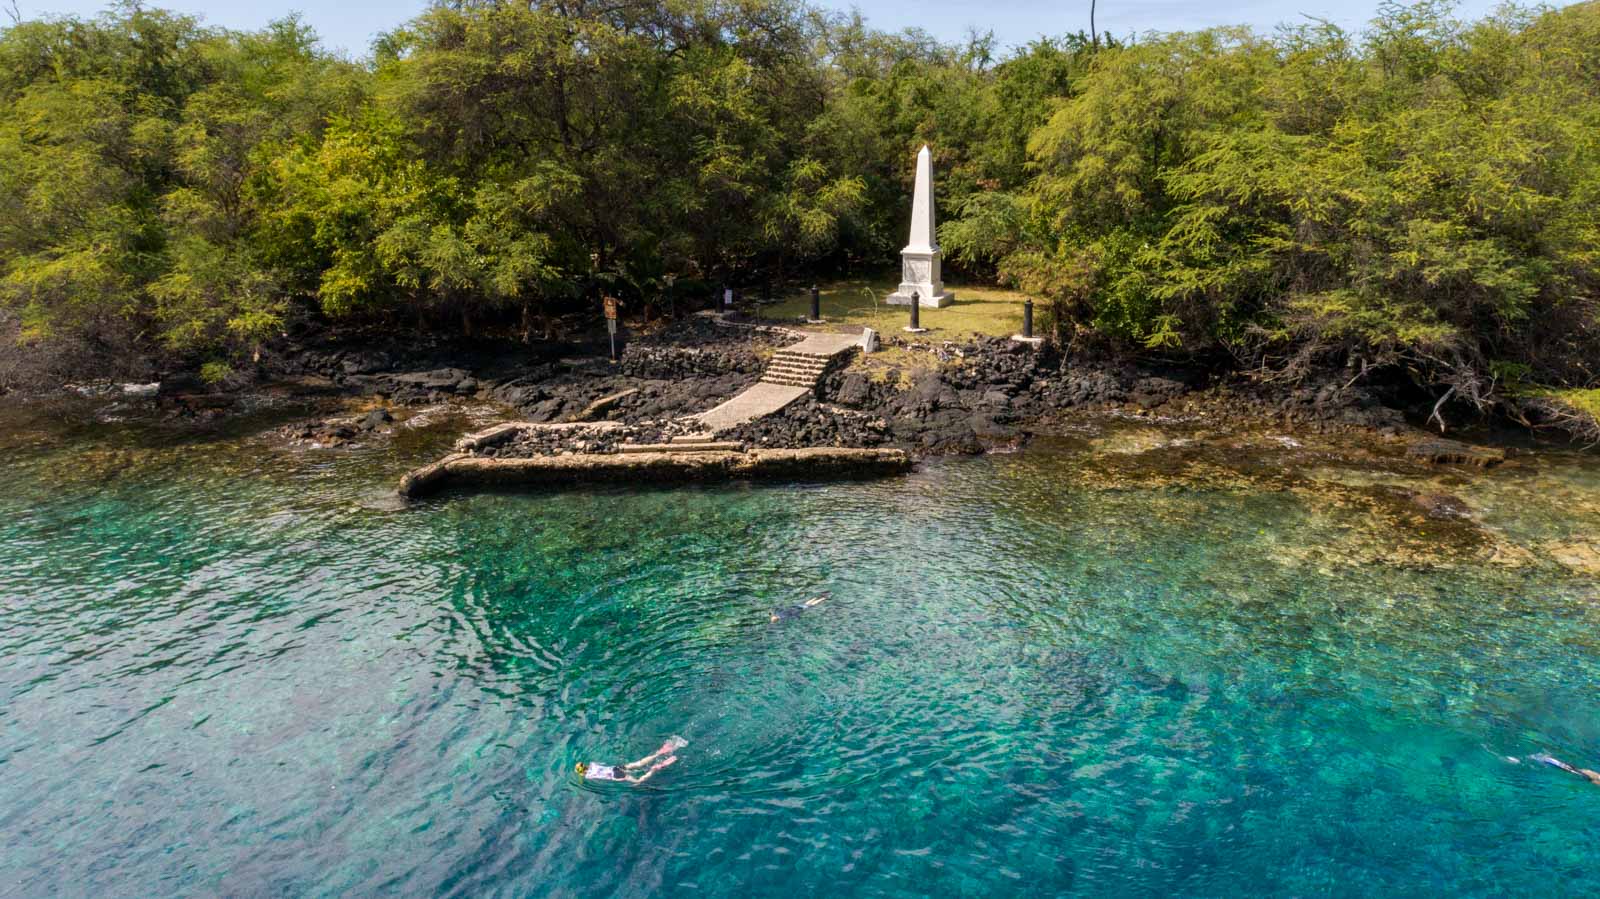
pixel 229 669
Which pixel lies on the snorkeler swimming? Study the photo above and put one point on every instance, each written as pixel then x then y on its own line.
pixel 787 612
pixel 1591 776
pixel 624 773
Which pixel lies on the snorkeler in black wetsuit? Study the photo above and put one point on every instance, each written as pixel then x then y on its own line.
pixel 787 612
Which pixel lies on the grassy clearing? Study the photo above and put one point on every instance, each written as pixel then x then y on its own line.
pixel 1585 401
pixel 1574 410
pixel 850 303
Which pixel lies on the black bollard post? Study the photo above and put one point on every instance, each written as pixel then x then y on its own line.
pixel 1027 317
pixel 916 309
pixel 816 304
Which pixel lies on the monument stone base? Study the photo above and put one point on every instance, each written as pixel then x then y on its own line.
pixel 926 301
pixel 919 276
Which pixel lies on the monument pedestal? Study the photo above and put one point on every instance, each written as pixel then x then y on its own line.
pixel 937 301
pixel 919 274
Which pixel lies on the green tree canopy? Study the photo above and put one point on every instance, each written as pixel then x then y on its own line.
pixel 1422 197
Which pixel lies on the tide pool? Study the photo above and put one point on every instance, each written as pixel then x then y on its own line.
pixel 228 668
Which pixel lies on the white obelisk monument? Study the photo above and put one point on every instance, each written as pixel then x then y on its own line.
pixel 919 261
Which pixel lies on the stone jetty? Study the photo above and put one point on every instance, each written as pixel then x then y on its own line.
pixel 466 470
pixel 686 449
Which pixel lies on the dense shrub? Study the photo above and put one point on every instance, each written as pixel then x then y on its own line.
pixel 1423 198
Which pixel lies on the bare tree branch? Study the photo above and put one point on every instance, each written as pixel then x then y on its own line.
pixel 1440 405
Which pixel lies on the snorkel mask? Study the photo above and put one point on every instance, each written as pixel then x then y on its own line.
pixel 582 768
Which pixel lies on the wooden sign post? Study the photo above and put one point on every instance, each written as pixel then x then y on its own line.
pixel 611 323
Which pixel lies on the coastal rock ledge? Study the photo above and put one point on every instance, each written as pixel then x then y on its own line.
pixel 1453 452
pixel 465 470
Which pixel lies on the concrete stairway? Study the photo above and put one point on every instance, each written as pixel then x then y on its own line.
pixel 795 369
pixel 792 373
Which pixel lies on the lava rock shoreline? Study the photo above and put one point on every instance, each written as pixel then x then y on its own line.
pixel 927 397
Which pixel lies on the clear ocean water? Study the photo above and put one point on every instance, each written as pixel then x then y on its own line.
pixel 228 668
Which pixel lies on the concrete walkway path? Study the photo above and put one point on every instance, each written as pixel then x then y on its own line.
pixel 820 344
pixel 760 400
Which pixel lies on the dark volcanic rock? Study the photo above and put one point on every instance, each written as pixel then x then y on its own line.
pixel 929 394
pixel 330 432
pixel 1442 505
pixel 584 438
pixel 697 348
pixel 948 431
pixel 947 397
pixel 438 379
pixel 807 422
pixel 1153 392
pixel 519 393
pixel 181 383
pixel 365 362
pixel 1086 389
pixel 547 410
pixel 853 389
pixel 1440 451
pixel 991 428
